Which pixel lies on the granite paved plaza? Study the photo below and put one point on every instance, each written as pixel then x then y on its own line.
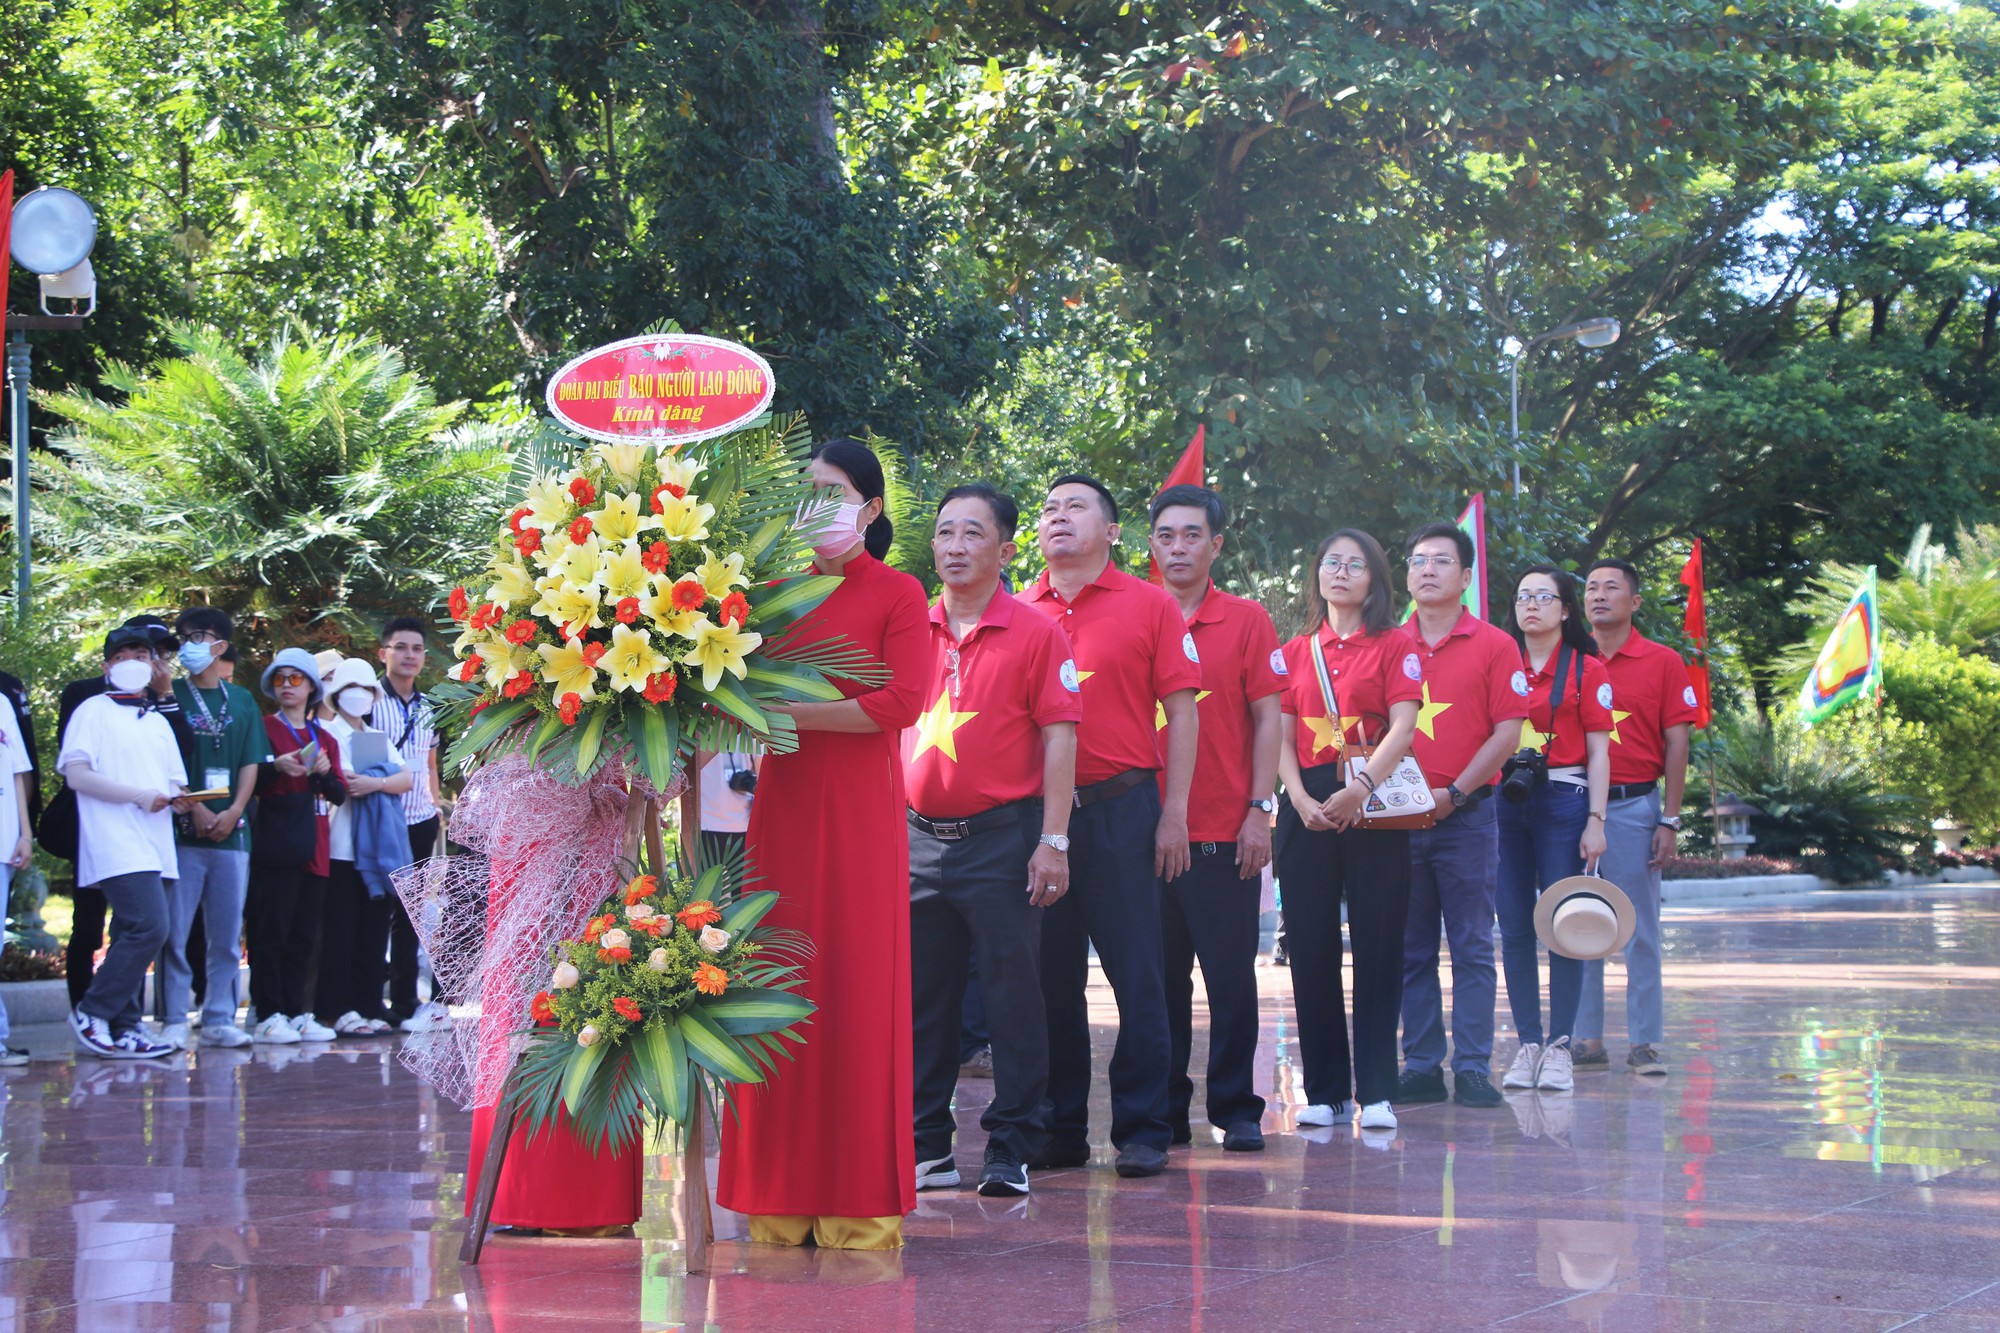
pixel 1824 1156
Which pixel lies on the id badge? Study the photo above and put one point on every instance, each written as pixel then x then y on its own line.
pixel 217 779
pixel 321 808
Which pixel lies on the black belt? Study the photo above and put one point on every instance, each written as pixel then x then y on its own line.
pixel 957 830
pixel 1112 786
pixel 1479 793
pixel 1629 790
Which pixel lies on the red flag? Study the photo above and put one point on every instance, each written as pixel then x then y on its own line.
pixel 6 236
pixel 1695 622
pixel 1192 470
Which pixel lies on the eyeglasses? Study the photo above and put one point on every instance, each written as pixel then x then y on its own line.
pixel 1441 562
pixel 1354 567
pixel 201 636
pixel 287 676
pixel 1535 598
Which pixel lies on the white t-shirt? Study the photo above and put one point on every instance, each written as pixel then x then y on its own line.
pixel 13 762
pixel 138 750
pixel 340 827
pixel 724 810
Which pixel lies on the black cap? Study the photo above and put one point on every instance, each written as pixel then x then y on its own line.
pixel 127 636
pixel 158 633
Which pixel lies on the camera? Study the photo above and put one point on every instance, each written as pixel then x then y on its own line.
pixel 744 781
pixel 1527 770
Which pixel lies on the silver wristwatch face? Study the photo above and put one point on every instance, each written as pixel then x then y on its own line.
pixel 1058 841
pixel 1672 821
pixel 1267 805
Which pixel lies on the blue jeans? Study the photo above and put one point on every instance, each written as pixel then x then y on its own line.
pixel 1538 841
pixel 214 880
pixel 1628 838
pixel 6 896
pixel 138 929
pixel 1452 882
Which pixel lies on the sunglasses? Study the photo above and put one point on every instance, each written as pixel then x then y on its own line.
pixel 290 677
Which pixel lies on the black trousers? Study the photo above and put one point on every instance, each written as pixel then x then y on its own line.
pixel 403 936
pixel 969 903
pixel 1210 913
pixel 353 947
pixel 1114 903
pixel 86 937
pixel 282 917
pixel 1370 869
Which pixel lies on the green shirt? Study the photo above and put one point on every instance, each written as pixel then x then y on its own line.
pixel 219 758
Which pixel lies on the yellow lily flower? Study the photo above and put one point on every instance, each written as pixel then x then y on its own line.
pixel 512 584
pixel 632 659
pixel 720 648
pixel 622 573
pixel 677 471
pixel 565 669
pixel 568 605
pixel 684 519
pixel 578 561
pixel 548 503
pixel 620 519
pixel 624 460
pixel 718 576
pixel 504 661
pixel 658 606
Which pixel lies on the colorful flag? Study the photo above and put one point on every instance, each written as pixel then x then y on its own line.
pixel 1473 523
pixel 1850 666
pixel 1192 470
pixel 1695 622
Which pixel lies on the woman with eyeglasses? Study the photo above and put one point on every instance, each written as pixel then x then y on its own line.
pixel 1354 677
pixel 1551 812
pixel 289 852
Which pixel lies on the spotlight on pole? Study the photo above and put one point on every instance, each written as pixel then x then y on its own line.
pixel 1597 331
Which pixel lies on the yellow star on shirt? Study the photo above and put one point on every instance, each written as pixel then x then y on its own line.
pixel 1532 739
pixel 1428 713
pixel 1082 676
pixel 1617 716
pixel 935 728
pixel 1160 710
pixel 1323 733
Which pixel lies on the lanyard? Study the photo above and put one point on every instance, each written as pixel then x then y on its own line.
pixel 206 723
pixel 1326 693
pixel 312 729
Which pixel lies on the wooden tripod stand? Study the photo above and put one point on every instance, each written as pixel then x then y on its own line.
pixel 697 1222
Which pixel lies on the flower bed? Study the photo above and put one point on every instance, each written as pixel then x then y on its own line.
pixel 1710 867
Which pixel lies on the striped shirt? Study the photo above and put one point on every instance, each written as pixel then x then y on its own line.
pixel 411 729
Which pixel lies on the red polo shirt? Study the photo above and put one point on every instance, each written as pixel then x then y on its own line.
pixel 1368 672
pixel 1240 664
pixel 1131 652
pixel 1584 709
pixel 978 743
pixel 1472 681
pixel 1650 685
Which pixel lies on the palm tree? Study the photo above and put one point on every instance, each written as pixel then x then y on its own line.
pixel 312 488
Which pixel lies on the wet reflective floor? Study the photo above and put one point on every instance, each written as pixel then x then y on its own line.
pixel 1825 1155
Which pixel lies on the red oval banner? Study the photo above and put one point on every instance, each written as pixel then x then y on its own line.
pixel 670 388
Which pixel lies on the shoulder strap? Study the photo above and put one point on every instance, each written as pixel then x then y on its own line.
pixel 1326 688
pixel 1556 688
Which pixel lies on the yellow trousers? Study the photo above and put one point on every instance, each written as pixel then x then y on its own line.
pixel 829 1233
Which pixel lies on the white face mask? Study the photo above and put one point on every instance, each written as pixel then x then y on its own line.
pixel 130 676
pixel 355 701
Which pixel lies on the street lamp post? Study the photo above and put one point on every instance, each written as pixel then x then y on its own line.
pixel 1599 331
pixel 52 234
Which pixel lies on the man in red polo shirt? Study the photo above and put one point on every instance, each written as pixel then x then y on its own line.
pixel 1475 696
pixel 1135 660
pixel 991 773
pixel 1211 912
pixel 1652 718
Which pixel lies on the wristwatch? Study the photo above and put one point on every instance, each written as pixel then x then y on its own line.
pixel 1459 800
pixel 1267 805
pixel 1671 821
pixel 1059 841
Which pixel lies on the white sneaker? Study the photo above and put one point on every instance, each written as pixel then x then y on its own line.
pixel 1377 1115
pixel 176 1036
pixel 430 1017
pixel 1320 1113
pixel 1521 1074
pixel 1556 1073
pixel 275 1031
pixel 349 1024
pixel 379 1026
pixel 940 1173
pixel 311 1029
pixel 225 1034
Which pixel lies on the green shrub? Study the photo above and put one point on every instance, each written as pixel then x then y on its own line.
pixel 1820 797
pixel 1953 699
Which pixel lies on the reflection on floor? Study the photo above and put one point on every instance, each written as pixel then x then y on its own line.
pixel 1824 1156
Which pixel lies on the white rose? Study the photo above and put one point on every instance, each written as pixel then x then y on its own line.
pixel 566 976
pixel 587 1037
pixel 714 939
pixel 615 939
pixel 641 912
pixel 657 960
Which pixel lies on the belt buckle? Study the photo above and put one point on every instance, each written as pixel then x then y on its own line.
pixel 1207 848
pixel 952 832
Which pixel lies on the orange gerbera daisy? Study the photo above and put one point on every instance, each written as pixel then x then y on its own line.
pixel 660 687
pixel 628 1009
pixel 621 954
pixel 579 531
pixel 656 557
pixel 598 925
pixel 710 979
pixel 645 886
pixel 543 1008
pixel 529 542
pixel 735 609
pixel 461 605
pixel 582 491
pixel 701 912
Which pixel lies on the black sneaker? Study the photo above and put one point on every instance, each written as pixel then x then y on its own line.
pixel 1003 1176
pixel 1246 1137
pixel 1472 1088
pixel 1414 1089
pixel 1138 1159
pixel 940 1173
pixel 1580 1058
pixel 1181 1135
pixel 1060 1154
pixel 12 1057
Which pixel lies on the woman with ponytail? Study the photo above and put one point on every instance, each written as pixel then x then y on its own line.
pixel 824 1152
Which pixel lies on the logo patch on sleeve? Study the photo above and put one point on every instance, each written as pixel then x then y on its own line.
pixel 1278 667
pixel 1604 696
pixel 1687 697
pixel 1187 646
pixel 1412 667
pixel 1520 683
pixel 1069 678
